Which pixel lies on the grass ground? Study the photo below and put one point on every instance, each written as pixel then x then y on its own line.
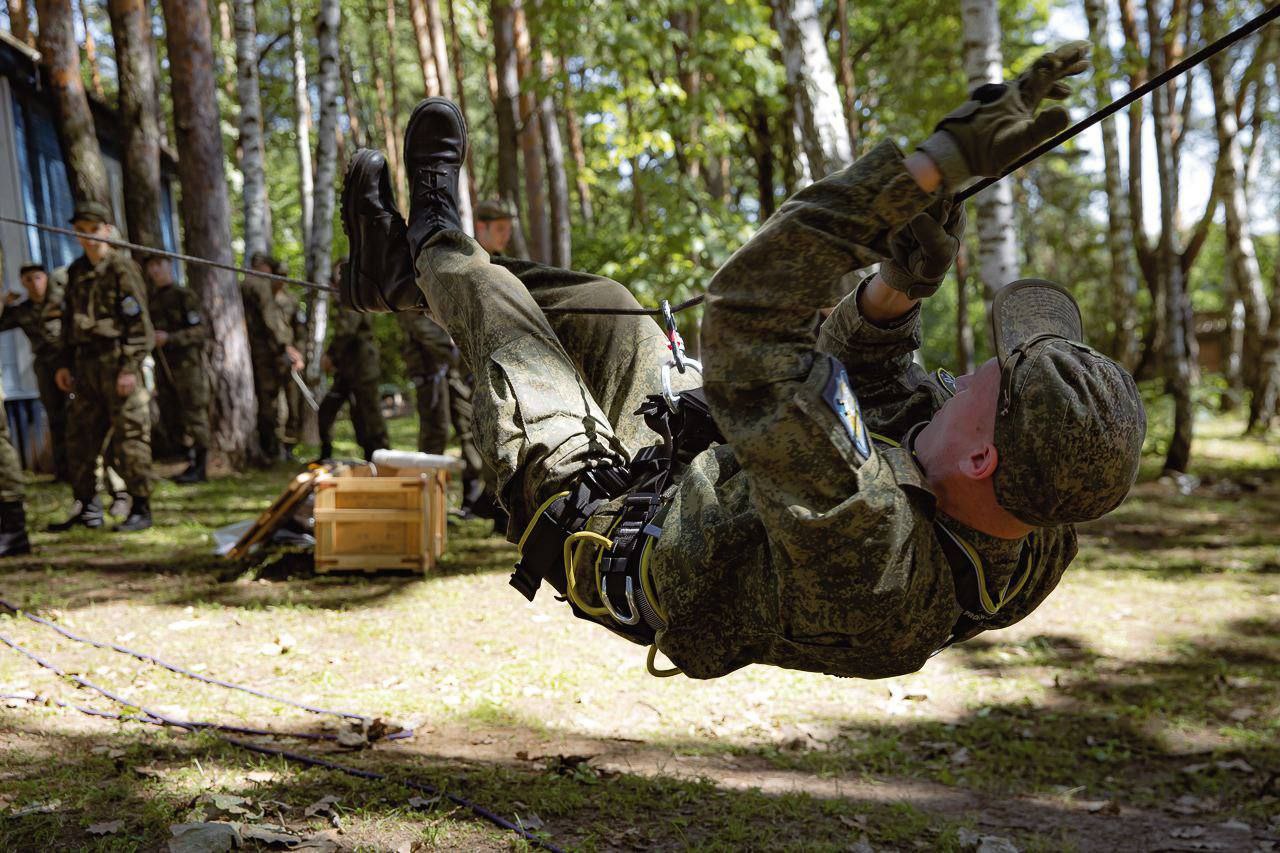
pixel 1137 709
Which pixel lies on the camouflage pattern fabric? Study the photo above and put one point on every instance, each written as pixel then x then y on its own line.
pixel 182 384
pixel 428 355
pixel 354 354
pixel 41 322
pixel 106 330
pixel 269 334
pixel 291 307
pixel 12 481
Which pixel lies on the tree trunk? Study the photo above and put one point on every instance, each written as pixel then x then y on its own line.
pixel 531 152
pixel 557 180
pixel 1123 280
pixel 460 94
pixel 206 219
pixel 576 147
pixel 1177 362
pixel 320 252
pixel 396 142
pixel 139 118
pixel 847 86
pixel 302 108
pixel 389 145
pixel 227 49
pixel 352 100
pixel 249 97
pixel 20 21
pixel 823 130
pixel 763 154
pixel 997 239
pixel 61 59
pixel 687 22
pixel 428 31
pixel 507 112
pixel 426 55
pixel 1264 404
pixel 1233 354
pixel 964 328
pixel 91 52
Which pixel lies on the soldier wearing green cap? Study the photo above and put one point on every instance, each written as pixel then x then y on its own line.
pixel 106 335
pixel 39 316
pixel 822 503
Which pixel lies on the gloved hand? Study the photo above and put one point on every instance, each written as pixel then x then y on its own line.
pixel 999 123
pixel 923 250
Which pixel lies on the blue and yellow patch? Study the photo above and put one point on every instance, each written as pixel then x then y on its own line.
pixel 840 397
pixel 129 307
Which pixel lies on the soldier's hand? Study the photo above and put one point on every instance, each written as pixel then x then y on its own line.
pixel 999 123
pixel 126 383
pixel 923 250
pixel 11 297
pixel 64 380
pixel 326 364
pixel 295 358
pixel 162 337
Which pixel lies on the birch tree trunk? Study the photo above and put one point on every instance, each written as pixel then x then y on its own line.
pixel 139 118
pixel 320 252
pixel 823 130
pixel 20 21
pixel 302 107
pixel 1264 403
pixel 506 107
pixel 91 52
pixel 206 219
pixel 250 126
pixel 964 328
pixel 1123 279
pixel 531 154
pixel 352 101
pixel 983 63
pixel 557 180
pixel 61 59
pixel 579 153
pixel 227 49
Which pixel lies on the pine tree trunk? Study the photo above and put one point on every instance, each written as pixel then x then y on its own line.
pixel 227 49
pixel 139 118
pixel 206 219
pixel 302 108
pixel 20 21
pixel 557 180
pixel 91 52
pixel 762 138
pixel 352 101
pixel 1123 280
pixel 997 239
pixel 531 153
pixel 249 96
pixel 576 148
pixel 426 55
pixel 506 107
pixel 387 122
pixel 61 59
pixel 433 55
pixel 396 142
pixel 823 130
pixel 687 22
pixel 320 252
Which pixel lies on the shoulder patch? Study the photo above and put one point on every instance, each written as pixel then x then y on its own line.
pixel 946 380
pixel 130 307
pixel 300 317
pixel 840 397
pixel 193 318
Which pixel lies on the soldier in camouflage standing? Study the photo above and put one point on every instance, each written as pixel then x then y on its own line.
pixel 352 358
pixel 106 335
pixel 822 503
pixel 428 355
pixel 182 384
pixel 13 514
pixel 40 319
pixel 291 306
pixel 271 350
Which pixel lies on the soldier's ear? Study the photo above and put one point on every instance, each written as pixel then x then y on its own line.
pixel 980 463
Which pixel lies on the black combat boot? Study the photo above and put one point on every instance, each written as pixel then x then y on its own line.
pixel 86 512
pixel 196 469
pixel 379 275
pixel 120 504
pixel 326 452
pixel 435 145
pixel 13 529
pixel 139 517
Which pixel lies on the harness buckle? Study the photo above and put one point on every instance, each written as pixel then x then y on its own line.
pixel 633 618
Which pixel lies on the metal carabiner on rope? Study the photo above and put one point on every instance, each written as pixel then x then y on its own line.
pixel 678 360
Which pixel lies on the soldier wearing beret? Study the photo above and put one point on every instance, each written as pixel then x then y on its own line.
pixel 39 317
pixel 822 503
pixel 182 384
pixel 106 335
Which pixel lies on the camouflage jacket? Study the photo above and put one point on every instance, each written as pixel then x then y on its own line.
pixel 176 310
pixel 428 347
pixel 352 349
pixel 295 314
pixel 805 542
pixel 41 322
pixel 105 313
pixel 268 326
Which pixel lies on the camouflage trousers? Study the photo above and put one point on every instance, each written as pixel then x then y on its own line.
pixel 182 391
pixel 361 393
pixel 12 480
pixel 96 409
pixel 55 410
pixel 554 396
pixel 268 378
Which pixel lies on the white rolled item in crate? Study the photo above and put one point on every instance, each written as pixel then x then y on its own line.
pixel 407 460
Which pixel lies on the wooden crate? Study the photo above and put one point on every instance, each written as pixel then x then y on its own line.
pixel 367 524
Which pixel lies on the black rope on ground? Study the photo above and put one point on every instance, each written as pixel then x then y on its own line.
pixel 177 256
pixel 156 719
pixel 143 656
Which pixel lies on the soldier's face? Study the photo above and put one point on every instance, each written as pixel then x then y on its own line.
pixel 36 283
pixel 965 424
pixel 160 273
pixel 94 249
pixel 494 235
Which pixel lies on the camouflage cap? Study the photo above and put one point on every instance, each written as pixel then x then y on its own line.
pixel 494 208
pixel 1070 422
pixel 265 259
pixel 92 211
pixel 32 267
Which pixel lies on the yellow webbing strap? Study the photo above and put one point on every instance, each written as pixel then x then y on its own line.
pixel 659 673
pixel 528 528
pixel 572 546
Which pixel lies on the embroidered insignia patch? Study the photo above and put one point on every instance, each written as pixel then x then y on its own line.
pixel 130 307
pixel 839 396
pixel 193 318
pixel 301 317
pixel 946 380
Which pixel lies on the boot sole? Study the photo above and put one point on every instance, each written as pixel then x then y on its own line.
pixel 462 121
pixel 360 169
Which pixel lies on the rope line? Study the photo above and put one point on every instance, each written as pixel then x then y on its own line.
pixel 1217 46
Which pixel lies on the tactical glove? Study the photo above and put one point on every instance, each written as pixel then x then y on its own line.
pixel 923 250
pixel 999 123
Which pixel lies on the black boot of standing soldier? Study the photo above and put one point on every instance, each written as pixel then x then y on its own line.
pixel 86 512
pixel 139 517
pixel 196 471
pixel 13 529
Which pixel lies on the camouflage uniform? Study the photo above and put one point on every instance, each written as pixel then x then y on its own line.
pixel 106 330
pixel 269 335
pixel 428 355
pixel 803 542
pixel 354 355
pixel 41 322
pixel 291 307
pixel 182 384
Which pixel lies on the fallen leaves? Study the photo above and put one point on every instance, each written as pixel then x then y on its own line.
pixel 108 828
pixel 218 836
